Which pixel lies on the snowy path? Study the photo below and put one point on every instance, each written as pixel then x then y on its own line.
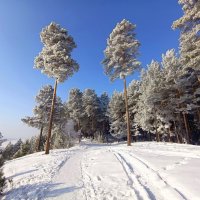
pixel 114 173
pixel 144 171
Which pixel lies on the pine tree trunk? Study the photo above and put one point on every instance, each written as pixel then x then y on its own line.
pixel 150 137
pixel 168 135
pixel 176 133
pixel 127 115
pixel 186 127
pixel 40 138
pixel 180 130
pixel 79 126
pixel 157 135
pixel 198 112
pixel 51 119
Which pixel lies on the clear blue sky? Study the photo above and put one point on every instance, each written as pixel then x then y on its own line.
pixel 89 22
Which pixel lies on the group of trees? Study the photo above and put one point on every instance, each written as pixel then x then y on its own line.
pixel 162 105
pixel 89 112
pixel 165 102
pixel 86 109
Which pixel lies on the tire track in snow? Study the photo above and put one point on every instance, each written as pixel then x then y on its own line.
pixel 152 178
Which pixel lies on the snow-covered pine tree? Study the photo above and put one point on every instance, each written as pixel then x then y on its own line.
pixel 133 98
pixel 2 178
pixel 151 85
pixel 189 25
pixel 121 58
pixel 103 119
pixel 42 112
pixel 91 109
pixel 1 138
pixel 116 113
pixel 24 149
pixel 17 146
pixel 75 106
pixel 8 152
pixel 33 144
pixel 59 139
pixel 55 61
pixel 172 70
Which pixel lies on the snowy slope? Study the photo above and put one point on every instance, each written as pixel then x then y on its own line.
pixel 146 170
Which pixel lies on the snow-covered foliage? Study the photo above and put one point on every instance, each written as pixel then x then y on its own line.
pixel 55 58
pixel 43 107
pixel 88 111
pixel 75 106
pixel 103 118
pixel 133 98
pixel 2 178
pixel 121 51
pixel 116 114
pixel 42 111
pixel 91 107
pixel 189 24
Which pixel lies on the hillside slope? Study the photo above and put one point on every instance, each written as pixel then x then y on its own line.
pixel 146 170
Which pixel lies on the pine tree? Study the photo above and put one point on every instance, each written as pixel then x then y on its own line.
pixel 8 152
pixel 150 98
pixel 133 98
pixel 103 119
pixel 189 25
pixel 24 149
pixel 91 109
pixel 55 61
pixel 121 58
pixel 75 106
pixel 42 112
pixel 116 114
pixel 59 139
pixel 2 178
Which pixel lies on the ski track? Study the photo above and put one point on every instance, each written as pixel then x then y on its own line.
pixel 148 176
pixel 140 190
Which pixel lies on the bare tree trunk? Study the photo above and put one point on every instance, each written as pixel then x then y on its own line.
pixel 51 118
pixel 39 139
pixel 186 127
pixel 127 115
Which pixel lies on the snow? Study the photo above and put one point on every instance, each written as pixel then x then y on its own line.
pixel 146 170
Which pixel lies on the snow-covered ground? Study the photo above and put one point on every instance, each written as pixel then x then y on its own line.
pixel 146 170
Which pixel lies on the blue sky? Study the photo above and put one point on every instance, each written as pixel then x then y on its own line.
pixel 90 23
